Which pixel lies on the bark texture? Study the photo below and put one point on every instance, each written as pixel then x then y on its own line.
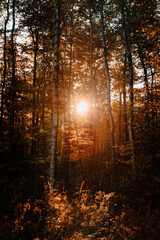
pixel 4 70
pixel 55 92
pixel 111 124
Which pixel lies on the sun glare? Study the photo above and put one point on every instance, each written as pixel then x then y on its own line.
pixel 82 107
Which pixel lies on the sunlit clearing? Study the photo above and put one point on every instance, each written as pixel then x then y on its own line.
pixel 82 107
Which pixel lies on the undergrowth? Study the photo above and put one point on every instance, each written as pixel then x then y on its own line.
pixel 82 216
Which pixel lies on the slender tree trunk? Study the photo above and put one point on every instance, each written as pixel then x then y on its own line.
pixel 129 57
pixel 94 90
pixel 80 154
pixel 43 103
pixel 124 102
pixel 64 75
pixel 68 97
pixel 94 166
pixel 53 160
pixel 156 102
pixel 37 120
pixel 111 125
pixel 35 43
pixel 108 81
pixel 120 115
pixel 141 55
pixel 13 82
pixel 126 38
pixel 4 71
pixel 152 86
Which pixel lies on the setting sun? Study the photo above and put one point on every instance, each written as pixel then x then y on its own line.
pixel 82 107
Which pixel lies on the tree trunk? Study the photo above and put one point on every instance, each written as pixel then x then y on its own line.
pixel 4 71
pixel 111 125
pixel 127 44
pixel 141 56
pixel 94 166
pixel 124 102
pixel 13 82
pixel 120 115
pixel 152 97
pixel 53 160
pixel 129 57
pixel 43 103
pixel 35 43
pixel 68 97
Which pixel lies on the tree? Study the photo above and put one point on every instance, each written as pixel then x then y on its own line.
pixel 13 84
pixel 127 43
pixel 4 70
pixel 55 91
pixel 108 90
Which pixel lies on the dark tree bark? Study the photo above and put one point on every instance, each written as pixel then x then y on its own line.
pixel 43 102
pixel 120 114
pixel 53 160
pixel 124 101
pixel 141 56
pixel 152 97
pixel 107 79
pixel 111 124
pixel 13 83
pixel 130 64
pixel 67 88
pixel 35 44
pixel 94 166
pixel 127 44
pixel 4 71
